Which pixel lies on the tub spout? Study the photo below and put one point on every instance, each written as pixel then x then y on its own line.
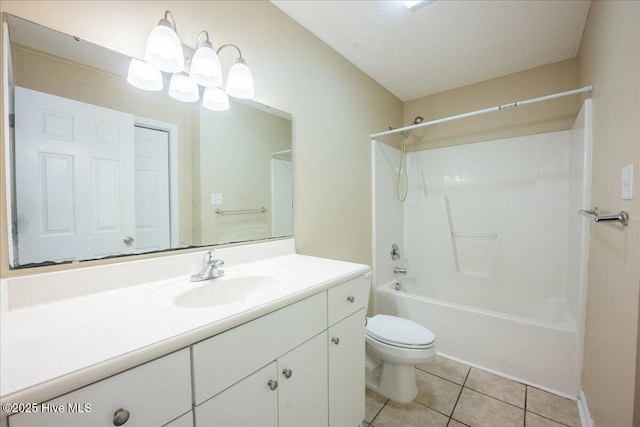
pixel 399 270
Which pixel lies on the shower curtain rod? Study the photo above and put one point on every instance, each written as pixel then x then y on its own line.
pixel 486 110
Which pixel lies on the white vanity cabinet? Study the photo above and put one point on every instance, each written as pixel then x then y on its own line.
pixel 152 394
pixel 346 371
pixel 270 371
pixel 301 365
pixel 289 392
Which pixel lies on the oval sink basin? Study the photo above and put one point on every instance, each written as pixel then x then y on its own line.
pixel 228 290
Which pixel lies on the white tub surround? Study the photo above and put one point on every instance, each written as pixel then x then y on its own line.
pixel 62 331
pixel 494 250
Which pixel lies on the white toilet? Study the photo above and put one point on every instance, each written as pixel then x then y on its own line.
pixel 394 346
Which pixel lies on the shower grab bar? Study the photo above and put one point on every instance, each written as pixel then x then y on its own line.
pixel 475 235
pixel 622 217
pixel 241 211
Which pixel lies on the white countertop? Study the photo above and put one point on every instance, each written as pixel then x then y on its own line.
pixel 55 347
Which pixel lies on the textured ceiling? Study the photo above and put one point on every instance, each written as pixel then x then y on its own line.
pixel 445 44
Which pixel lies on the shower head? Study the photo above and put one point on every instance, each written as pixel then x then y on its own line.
pixel 405 134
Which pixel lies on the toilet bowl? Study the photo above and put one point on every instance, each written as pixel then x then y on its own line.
pixel 393 347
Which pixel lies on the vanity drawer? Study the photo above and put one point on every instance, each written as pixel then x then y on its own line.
pixel 225 359
pixel 347 298
pixel 153 394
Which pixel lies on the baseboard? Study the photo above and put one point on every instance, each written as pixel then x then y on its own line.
pixel 583 410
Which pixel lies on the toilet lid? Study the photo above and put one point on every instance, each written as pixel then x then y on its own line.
pixel 395 330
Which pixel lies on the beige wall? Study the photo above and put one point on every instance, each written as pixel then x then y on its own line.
pixel 547 116
pixel 609 57
pixel 334 105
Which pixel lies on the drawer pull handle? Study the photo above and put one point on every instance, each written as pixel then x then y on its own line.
pixel 335 340
pixel 287 373
pixel 120 417
pixel 351 299
pixel 273 384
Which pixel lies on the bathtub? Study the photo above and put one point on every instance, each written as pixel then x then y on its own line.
pixel 542 352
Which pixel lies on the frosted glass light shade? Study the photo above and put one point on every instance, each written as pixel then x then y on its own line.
pixel 240 81
pixel 205 68
pixel 144 76
pixel 164 50
pixel 215 99
pixel 183 89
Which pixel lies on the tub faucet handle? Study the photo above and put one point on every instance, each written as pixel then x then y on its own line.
pixel 395 252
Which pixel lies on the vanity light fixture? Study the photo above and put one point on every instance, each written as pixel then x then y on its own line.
pixel 215 99
pixel 411 3
pixel 240 79
pixel 415 5
pixel 205 66
pixel 164 50
pixel 182 88
pixel 144 76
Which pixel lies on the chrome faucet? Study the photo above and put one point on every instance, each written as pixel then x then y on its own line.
pixel 399 270
pixel 210 268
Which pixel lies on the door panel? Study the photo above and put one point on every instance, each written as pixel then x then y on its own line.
pixel 74 168
pixel 153 230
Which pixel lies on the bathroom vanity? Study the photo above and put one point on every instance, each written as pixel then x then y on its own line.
pixel 279 340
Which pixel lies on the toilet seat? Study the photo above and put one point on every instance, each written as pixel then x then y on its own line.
pixel 399 332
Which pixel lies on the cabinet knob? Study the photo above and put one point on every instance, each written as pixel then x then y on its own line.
pixel 335 340
pixel 287 373
pixel 120 417
pixel 273 384
pixel 351 299
pixel 128 240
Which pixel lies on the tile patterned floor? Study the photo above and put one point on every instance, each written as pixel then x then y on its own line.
pixel 451 394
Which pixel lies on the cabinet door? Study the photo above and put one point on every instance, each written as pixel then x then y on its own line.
pixel 249 403
pixel 347 371
pixel 302 396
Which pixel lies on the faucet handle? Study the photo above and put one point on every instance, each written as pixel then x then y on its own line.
pixel 208 258
pixel 217 262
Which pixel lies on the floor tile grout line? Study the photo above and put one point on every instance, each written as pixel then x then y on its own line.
pixel 460 394
pixel 526 391
pixel 378 413
pixel 439 376
pixel 495 398
pixel 547 418
pixel 434 409
pixel 459 422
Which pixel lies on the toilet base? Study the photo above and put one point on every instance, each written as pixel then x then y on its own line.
pixel 393 381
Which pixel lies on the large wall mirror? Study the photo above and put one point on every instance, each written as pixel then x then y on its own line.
pixel 98 168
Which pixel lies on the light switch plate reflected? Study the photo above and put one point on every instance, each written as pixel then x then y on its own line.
pixel 627 182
